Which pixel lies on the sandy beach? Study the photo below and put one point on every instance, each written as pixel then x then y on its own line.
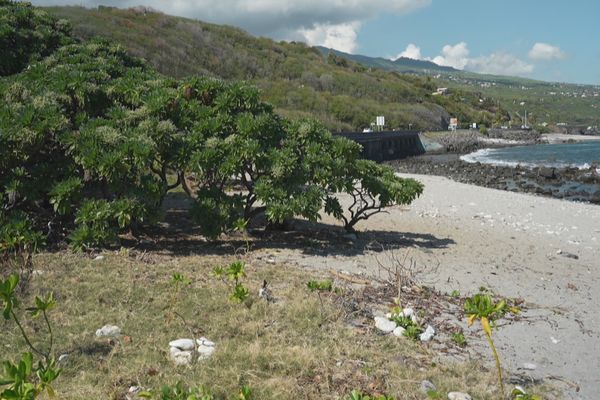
pixel 544 250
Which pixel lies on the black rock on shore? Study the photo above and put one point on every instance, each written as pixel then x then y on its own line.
pixel 563 183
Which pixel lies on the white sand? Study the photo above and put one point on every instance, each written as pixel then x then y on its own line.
pixel 507 242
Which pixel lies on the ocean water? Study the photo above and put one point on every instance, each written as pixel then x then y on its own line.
pixel 580 155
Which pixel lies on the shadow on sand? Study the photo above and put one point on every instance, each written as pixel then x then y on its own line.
pixel 178 236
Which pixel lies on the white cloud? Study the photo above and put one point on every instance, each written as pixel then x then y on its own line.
pixel 545 51
pixel 456 56
pixel 331 22
pixel 412 51
pixel 499 64
pixel 341 37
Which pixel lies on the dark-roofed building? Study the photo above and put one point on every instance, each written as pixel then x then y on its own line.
pixel 387 145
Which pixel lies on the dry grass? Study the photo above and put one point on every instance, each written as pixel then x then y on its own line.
pixel 285 350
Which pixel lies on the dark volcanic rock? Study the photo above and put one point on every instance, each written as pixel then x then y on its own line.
pixel 567 183
pixel 547 172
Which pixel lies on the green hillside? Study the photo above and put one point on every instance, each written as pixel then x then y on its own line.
pixel 297 79
pixel 545 102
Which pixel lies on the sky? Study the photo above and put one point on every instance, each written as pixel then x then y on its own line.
pixel 551 40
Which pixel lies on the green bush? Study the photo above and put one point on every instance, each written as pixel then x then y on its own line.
pixel 27 34
pixel 92 140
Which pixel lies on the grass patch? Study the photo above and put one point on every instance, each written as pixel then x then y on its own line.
pixel 294 348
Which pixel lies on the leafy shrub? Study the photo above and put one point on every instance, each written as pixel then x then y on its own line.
pixel 24 380
pixel 89 138
pixel 234 272
pixel 18 242
pixel 27 34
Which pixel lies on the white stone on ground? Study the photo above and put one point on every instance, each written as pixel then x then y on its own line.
pixel 182 344
pixel 399 331
pixel 408 312
pixel 428 334
pixel 181 350
pixel 180 357
pixel 205 347
pixel 108 330
pixel 458 396
pixel 384 324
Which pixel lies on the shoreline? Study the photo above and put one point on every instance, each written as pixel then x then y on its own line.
pixel 570 183
pixel 542 250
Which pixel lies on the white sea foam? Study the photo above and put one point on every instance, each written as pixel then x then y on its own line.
pixel 485 156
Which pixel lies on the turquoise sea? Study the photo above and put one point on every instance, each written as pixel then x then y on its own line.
pixel 581 155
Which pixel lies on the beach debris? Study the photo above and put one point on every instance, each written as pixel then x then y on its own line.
pixel 384 324
pixel 427 386
pixel 428 334
pixel 458 396
pixel 108 330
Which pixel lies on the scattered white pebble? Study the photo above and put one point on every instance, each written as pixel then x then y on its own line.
pixel 554 340
pixel 529 366
pixel 205 342
pixel 180 357
pixel 182 344
pixel 384 324
pixel 428 334
pixel 98 258
pixel 135 389
pixel 398 331
pixel 458 396
pixel 108 330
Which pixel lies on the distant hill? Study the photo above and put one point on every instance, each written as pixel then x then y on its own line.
pixel 546 102
pixel 402 64
pixel 299 80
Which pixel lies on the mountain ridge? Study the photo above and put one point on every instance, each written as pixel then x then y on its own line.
pixel 401 64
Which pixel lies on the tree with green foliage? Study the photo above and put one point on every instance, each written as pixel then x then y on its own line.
pixel 28 34
pixel 93 139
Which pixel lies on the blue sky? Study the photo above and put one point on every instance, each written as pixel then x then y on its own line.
pixel 551 40
pixel 490 27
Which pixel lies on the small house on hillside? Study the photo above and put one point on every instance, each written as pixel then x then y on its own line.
pixel 387 145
